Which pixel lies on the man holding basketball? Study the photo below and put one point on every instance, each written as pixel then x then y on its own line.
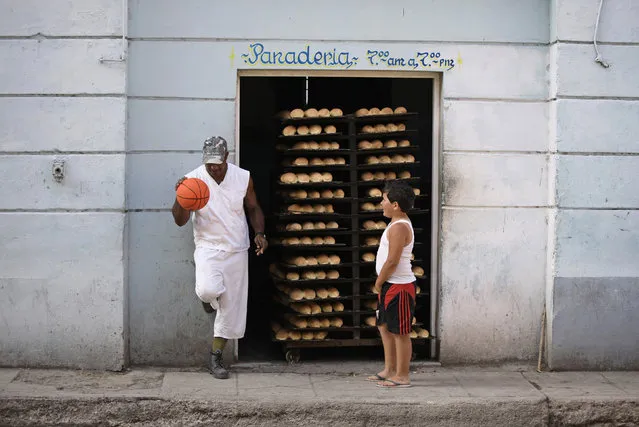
pixel 221 235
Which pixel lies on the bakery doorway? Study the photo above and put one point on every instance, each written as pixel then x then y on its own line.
pixel 266 153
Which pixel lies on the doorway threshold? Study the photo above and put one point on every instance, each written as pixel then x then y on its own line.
pixel 329 367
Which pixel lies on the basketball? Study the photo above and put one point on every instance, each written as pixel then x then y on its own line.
pixel 192 194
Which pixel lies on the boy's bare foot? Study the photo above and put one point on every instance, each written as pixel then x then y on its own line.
pixel 382 376
pixel 395 381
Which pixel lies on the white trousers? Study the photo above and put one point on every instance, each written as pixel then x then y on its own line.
pixel 221 279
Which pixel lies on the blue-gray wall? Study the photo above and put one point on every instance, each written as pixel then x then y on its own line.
pixel 539 149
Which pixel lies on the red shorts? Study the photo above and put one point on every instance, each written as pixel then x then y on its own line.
pixel 396 307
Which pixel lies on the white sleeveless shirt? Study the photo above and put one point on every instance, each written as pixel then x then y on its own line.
pixel 403 273
pixel 221 224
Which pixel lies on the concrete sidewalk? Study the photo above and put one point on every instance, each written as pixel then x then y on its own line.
pixel 285 396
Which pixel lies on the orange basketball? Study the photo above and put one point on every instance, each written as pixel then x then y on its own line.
pixel 192 194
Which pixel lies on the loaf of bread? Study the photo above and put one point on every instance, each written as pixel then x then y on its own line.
pixel 299 261
pixel 320 275
pixel 336 322
pixel 333 293
pixel 361 112
pixel 364 145
pixel 404 175
pixel 379 176
pixel 288 178
pixel 308 226
pixel 418 271
pixel 297 113
pixel 401 127
pixel 312 145
pixel 380 225
pixel 377 144
pixel 371 241
pixel 334 259
pixel 386 110
pixel 315 129
pixel 372 160
pixel 327 307
pixel 330 129
pixel 367 176
pixel 289 131
pixel 329 161
pixel 315 308
pixel 316 177
pixel 404 143
pixel 336 112
pixel 338 306
pixel 309 275
pixel 370 321
pixel 296 294
pixel 379 128
pixel 281 335
pixel 334 145
pixel 418 290
pixel 367 206
pixel 409 158
pixel 324 112
pixel 313 194
pixel 368 129
pixel 295 335
pixel 319 209
pixel 400 110
pixel 391 143
pixel 324 145
pixel 320 335
pixel 303 178
pixel 301 308
pixel 329 240
pixel 385 159
pixel 324 322
pixel 299 322
pixel 417 191
pixel 413 334
pixel 319 225
pixel 374 111
pixel 314 323
pixel 311 112
pixel 311 260
pixel 398 158
pixel 327 177
pixel 293 226
pixel 309 294
pixel 300 146
pixel 422 333
pixel 371 305
pixel 368 257
pixel 369 225
pixel 391 127
pixel 323 259
pixel 375 192
pixel 303 130
pixel 332 274
pixel 332 225
pixel 321 293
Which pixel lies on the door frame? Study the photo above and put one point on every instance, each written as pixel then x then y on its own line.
pixel 436 138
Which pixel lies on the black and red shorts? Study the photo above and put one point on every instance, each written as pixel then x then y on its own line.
pixel 396 307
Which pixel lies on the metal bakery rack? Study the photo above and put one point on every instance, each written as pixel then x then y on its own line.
pixel 330 225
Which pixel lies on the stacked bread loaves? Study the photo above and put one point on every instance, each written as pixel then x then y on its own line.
pixel 362 112
pixel 383 128
pixel 313 145
pixel 380 175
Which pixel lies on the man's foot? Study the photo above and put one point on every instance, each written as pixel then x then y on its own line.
pixel 207 307
pixel 215 366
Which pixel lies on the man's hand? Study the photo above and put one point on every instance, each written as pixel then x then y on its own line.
pixel 180 181
pixel 261 244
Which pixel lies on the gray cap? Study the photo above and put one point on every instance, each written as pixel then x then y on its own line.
pixel 214 150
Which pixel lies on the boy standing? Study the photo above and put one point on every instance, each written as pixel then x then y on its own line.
pixel 395 286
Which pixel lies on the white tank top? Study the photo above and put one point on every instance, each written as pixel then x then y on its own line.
pixel 403 273
pixel 221 224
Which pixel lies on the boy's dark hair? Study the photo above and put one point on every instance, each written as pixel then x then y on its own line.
pixel 400 192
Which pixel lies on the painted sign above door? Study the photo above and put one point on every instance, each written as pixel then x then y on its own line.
pixel 347 56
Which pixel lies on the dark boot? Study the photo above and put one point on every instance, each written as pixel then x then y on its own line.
pixel 215 366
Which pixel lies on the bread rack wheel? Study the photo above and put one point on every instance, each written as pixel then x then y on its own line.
pixel 292 356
